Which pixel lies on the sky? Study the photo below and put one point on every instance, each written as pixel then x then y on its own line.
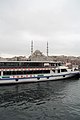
pixel 54 21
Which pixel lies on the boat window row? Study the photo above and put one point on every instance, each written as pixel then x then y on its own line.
pixel 26 64
pixel 59 70
pixel 20 64
pixel 25 72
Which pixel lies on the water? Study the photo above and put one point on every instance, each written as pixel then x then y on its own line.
pixel 53 100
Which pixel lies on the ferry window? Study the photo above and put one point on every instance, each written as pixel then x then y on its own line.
pixel 53 71
pixel 63 70
pixel 14 73
pixel 58 71
pixel 7 73
pixel 53 64
pixel 2 64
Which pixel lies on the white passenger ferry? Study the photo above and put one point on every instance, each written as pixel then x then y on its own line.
pixel 13 72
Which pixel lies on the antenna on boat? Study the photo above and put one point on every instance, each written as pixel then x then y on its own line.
pixel 47 49
pixel 31 47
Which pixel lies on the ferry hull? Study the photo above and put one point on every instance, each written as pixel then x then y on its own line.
pixel 5 81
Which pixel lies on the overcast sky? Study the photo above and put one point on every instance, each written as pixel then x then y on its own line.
pixel 55 21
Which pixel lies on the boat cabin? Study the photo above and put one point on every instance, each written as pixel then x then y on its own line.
pixel 26 67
